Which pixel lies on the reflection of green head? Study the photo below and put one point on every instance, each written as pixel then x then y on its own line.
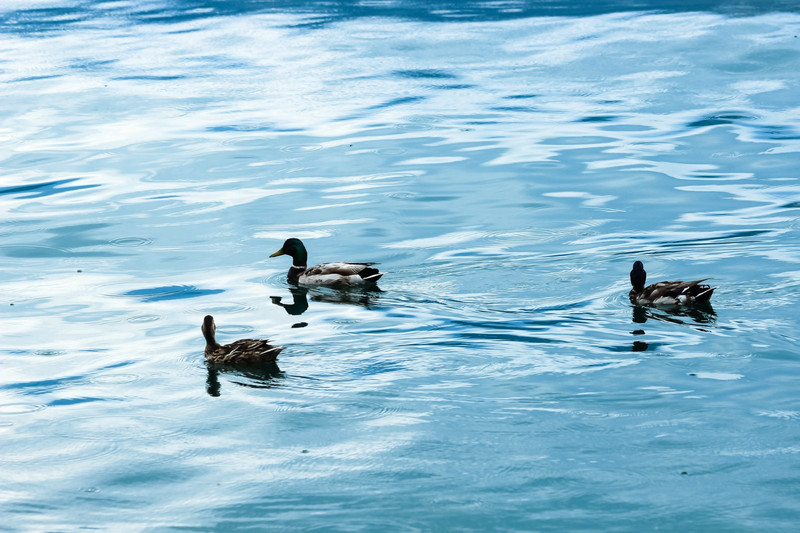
pixel 295 249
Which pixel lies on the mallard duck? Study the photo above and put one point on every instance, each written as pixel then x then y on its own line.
pixel 241 352
pixel 667 292
pixel 331 274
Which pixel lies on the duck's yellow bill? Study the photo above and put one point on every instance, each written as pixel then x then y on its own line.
pixel 276 254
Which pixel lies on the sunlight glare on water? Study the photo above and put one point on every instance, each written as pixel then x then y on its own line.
pixel 504 162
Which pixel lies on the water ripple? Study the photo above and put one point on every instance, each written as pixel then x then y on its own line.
pixel 131 241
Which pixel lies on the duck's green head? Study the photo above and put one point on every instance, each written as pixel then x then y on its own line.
pixel 295 249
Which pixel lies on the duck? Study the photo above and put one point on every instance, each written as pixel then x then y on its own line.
pixel 339 274
pixel 241 352
pixel 667 292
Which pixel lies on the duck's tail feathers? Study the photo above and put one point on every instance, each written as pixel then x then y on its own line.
pixel 370 274
pixel 705 295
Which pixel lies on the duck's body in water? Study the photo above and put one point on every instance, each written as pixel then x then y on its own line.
pixel 241 352
pixel 337 274
pixel 667 293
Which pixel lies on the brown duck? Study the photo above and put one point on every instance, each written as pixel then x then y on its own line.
pixel 241 352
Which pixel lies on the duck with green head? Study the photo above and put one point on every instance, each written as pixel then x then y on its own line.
pixel 339 274
pixel 667 293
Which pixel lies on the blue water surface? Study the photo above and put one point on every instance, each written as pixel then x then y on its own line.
pixel 505 162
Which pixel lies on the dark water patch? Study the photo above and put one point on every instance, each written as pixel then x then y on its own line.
pixel 514 109
pixel 452 86
pixel 397 101
pixel 484 122
pixel 322 13
pixel 521 96
pixel 718 176
pixel 36 78
pixel 149 77
pixel 242 128
pixel 90 65
pixel 252 128
pixel 513 325
pixel 562 307
pixel 599 118
pixel 721 118
pixel 42 386
pixel 184 31
pixel 49 188
pixel 77 236
pixel 402 195
pixel 425 74
pixel 75 401
pixel 482 331
pixel 508 337
pixel 171 292
pixel 734 235
pixel 778 133
pixel 41 353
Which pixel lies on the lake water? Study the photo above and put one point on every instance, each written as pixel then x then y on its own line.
pixel 505 162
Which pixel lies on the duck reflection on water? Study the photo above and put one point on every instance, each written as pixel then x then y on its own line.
pixel 257 376
pixel 301 295
pixel 699 314
pixel 299 303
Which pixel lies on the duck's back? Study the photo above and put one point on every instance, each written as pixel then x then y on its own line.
pixel 340 273
pixel 674 293
pixel 245 351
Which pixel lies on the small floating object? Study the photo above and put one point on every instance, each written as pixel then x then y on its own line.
pixel 241 352
pixel 339 274
pixel 667 292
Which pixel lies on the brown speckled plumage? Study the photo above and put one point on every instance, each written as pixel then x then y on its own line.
pixel 241 352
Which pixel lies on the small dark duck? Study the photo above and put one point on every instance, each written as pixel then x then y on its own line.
pixel 667 292
pixel 242 352
pixel 329 274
